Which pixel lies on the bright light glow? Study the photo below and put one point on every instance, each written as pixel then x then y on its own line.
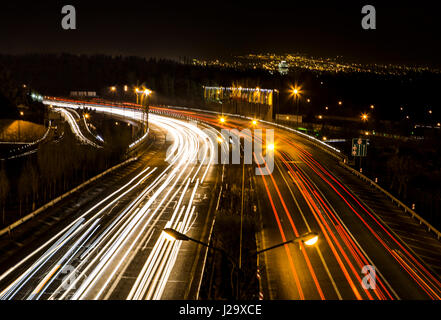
pixel 21 113
pixel 372 106
pixel 271 146
pixel 222 120
pixel 340 103
pixel 167 236
pixel 125 88
pixel 364 117
pixel 113 88
pixel 219 139
pixel 324 138
pixel 254 122
pixel 311 241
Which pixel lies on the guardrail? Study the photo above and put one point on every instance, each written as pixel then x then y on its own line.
pixel 399 203
pixel 337 154
pixel 318 143
pixel 54 201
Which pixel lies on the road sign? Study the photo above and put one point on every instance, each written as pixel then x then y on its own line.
pixel 359 147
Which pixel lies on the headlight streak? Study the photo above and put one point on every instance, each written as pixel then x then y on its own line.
pixel 66 234
pixel 75 128
pixel 130 225
pixel 68 256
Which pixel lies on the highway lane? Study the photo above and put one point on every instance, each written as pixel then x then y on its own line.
pixel 303 194
pixel 116 248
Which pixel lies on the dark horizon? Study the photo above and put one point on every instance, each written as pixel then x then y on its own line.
pixel 404 34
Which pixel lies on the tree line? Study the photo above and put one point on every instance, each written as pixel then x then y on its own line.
pixel 56 168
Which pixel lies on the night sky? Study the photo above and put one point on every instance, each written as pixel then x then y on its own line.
pixel 406 33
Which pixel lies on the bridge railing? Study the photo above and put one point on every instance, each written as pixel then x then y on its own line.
pixel 394 200
pixel 31 215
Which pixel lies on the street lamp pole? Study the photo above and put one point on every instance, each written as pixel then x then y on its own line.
pixel 297 98
pixel 309 239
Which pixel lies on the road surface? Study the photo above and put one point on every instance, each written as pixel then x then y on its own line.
pixel 305 193
pixel 114 248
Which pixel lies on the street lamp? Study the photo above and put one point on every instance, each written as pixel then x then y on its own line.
pixel 222 119
pixel 364 117
pixel 309 239
pixel 296 92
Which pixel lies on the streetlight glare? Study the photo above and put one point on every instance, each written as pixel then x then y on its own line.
pixel 312 241
pixel 219 139
pixel 271 146
pixel 364 117
pixel 222 119
pixel 168 236
pixel 172 234
pixel 254 122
